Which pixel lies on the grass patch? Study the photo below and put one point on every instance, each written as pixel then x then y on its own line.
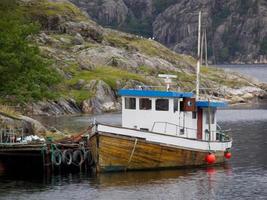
pixel 148 47
pixel 108 74
pixel 72 68
pixel 45 8
pixel 185 81
pixel 80 95
pixel 222 78
pixel 9 111
pixel 147 70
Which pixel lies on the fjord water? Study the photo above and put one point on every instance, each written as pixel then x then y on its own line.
pixel 256 71
pixel 243 177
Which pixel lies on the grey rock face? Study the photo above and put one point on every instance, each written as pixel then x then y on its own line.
pixel 235 33
pixel 59 107
pixel 104 99
pixel 78 39
pixel 85 29
pixel 106 11
pixel 237 30
pixel 30 126
pixel 112 56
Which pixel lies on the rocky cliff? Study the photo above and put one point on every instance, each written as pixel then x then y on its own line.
pixel 237 31
pixel 95 62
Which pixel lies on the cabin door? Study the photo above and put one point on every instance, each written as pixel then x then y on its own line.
pixel 199 123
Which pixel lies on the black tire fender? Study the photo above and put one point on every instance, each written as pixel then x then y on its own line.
pixel 57 157
pixel 78 157
pixel 67 157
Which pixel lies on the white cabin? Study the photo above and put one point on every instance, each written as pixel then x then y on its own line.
pixel 172 113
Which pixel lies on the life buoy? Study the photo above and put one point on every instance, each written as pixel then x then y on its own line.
pixel 57 157
pixel 78 157
pixel 67 157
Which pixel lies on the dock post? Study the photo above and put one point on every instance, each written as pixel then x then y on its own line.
pixel 47 159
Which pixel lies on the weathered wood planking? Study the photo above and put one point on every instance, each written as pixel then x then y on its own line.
pixel 115 153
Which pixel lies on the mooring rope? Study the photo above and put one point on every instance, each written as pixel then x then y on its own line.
pixel 132 153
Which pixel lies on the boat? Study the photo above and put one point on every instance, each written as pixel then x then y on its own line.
pixel 161 129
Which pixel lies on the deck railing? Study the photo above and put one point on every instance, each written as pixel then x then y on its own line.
pixel 221 135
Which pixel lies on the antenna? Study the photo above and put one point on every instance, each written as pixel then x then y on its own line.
pixel 167 79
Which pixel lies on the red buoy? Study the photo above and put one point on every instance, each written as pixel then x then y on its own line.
pixel 227 155
pixel 210 158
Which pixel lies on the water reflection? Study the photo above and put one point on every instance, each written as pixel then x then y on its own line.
pixel 169 184
pixel 2 169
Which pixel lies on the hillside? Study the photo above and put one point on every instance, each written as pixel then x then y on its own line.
pixel 237 29
pixel 93 62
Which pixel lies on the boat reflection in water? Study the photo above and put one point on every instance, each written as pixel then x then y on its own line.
pixel 2 169
pixel 132 178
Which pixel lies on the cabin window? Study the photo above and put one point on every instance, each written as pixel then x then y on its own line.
pixel 211 117
pixel 162 104
pixel 145 104
pixel 175 105
pixel 194 115
pixel 130 103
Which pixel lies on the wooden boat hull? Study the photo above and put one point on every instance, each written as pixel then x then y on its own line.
pixel 113 152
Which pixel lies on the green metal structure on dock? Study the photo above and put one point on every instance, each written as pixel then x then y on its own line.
pixel 48 155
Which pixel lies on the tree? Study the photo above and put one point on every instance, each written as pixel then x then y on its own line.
pixel 24 73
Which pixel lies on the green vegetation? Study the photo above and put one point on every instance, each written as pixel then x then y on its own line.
pixel 186 81
pixel 24 74
pixel 43 8
pixel 79 95
pixel 27 76
pixel 148 47
pixel 220 77
pixel 9 111
pixel 147 70
pixel 108 74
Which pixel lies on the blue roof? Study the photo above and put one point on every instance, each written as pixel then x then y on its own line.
pixel 154 93
pixel 214 104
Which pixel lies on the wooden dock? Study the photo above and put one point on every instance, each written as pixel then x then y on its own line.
pixel 48 156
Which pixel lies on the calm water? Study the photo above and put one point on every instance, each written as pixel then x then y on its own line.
pixel 257 71
pixel 243 177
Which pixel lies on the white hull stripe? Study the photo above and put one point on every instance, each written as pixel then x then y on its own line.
pixel 166 139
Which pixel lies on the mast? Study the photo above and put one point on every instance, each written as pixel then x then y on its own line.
pixel 206 48
pixel 202 48
pixel 198 56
